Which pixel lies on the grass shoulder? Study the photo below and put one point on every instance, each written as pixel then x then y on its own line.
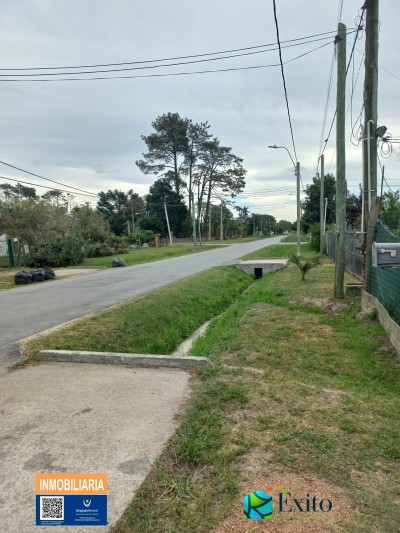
pixel 139 256
pixel 301 389
pixel 155 323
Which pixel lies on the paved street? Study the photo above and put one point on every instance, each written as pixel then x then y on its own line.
pixel 25 311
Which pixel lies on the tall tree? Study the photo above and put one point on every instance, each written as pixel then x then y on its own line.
pixel 311 206
pixel 167 148
pixel 18 191
pixel 115 207
pixel 55 197
pixel 197 136
pixel 218 171
pixel 162 192
pixel 390 210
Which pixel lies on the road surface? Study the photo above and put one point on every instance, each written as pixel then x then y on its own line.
pixel 25 311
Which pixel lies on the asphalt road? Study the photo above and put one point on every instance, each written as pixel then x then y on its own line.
pixel 25 311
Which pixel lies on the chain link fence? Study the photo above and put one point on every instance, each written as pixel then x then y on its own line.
pixel 384 283
pixel 354 257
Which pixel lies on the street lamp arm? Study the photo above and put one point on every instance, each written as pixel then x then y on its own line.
pixel 284 148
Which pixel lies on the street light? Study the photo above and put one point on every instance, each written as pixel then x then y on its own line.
pixel 297 174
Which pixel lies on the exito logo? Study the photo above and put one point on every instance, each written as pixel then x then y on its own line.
pixel 258 505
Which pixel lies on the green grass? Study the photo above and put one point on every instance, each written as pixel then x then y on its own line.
pixel 279 251
pixel 292 237
pixel 155 323
pixel 324 402
pixel 7 279
pixel 148 255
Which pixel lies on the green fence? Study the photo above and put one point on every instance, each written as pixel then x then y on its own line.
pixel 384 283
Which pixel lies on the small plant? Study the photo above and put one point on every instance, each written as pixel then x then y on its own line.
pixel 304 264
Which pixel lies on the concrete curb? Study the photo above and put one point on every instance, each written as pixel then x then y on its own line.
pixel 110 358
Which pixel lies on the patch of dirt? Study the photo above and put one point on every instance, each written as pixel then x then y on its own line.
pixel 329 305
pixel 257 473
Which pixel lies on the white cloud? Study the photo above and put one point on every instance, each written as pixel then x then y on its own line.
pixel 90 132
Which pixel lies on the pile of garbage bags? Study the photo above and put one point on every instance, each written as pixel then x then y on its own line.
pixel 24 278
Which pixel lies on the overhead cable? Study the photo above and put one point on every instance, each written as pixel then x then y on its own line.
pixel 47 179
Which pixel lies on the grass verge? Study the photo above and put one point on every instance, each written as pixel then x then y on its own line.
pixel 292 237
pixel 148 255
pixel 304 393
pixel 277 250
pixel 155 323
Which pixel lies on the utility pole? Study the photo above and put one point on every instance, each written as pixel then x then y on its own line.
pixel 321 208
pixel 209 224
pixel 133 216
pixel 166 216
pixel 221 231
pixel 297 172
pixel 194 221
pixel 341 188
pixel 370 106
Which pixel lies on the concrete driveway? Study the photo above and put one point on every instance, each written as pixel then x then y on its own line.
pixel 82 418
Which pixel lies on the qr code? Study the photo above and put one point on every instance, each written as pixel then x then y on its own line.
pixel 52 508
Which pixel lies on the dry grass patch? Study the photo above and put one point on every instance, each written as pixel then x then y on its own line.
pixel 258 476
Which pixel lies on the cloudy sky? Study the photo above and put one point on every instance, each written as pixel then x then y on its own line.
pixel 87 134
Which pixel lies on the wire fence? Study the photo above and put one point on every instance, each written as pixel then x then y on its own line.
pixel 354 257
pixel 3 252
pixel 384 282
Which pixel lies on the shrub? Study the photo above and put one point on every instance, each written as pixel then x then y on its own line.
pixel 99 249
pixel 144 236
pixel 56 251
pixel 304 265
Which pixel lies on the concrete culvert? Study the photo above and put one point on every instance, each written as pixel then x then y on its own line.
pixel 258 273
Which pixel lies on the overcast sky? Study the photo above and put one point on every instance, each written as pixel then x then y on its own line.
pixel 87 134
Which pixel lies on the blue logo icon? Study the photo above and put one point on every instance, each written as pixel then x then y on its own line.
pixel 257 506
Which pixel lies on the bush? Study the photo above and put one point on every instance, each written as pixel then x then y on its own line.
pixel 304 265
pixel 99 249
pixel 144 236
pixel 56 251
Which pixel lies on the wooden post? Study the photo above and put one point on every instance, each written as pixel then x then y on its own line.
pixel 341 188
pixel 322 208
pixel 370 106
pixel 371 232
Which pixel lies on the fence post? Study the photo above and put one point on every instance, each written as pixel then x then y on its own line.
pixel 11 258
pixel 371 232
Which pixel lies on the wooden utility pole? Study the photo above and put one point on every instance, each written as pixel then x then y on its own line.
pixel 370 107
pixel 322 208
pixel 298 233
pixel 194 221
pixel 341 188
pixel 166 216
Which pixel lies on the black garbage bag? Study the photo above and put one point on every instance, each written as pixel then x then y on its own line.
pixel 22 278
pixel 117 262
pixel 49 273
pixel 37 275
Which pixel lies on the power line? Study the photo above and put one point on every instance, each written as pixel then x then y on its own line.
pixel 359 28
pixel 36 185
pixel 165 74
pixel 283 78
pixel 171 58
pixel 160 66
pixel 48 179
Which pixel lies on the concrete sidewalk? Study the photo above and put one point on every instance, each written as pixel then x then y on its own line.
pixel 82 418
